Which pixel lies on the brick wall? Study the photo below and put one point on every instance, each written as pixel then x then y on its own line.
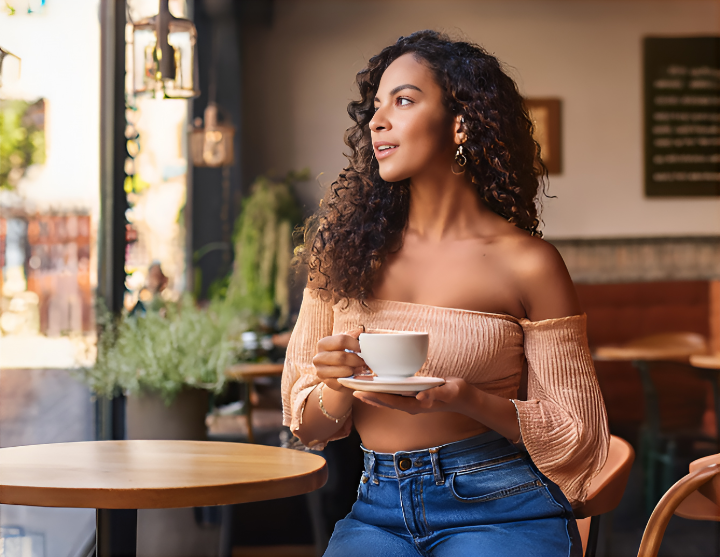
pixel 618 313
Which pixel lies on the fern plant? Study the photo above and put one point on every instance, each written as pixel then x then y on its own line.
pixel 164 352
pixel 263 250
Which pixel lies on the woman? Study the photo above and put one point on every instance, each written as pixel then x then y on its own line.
pixel 433 227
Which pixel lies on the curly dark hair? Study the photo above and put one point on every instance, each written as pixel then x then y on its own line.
pixel 362 217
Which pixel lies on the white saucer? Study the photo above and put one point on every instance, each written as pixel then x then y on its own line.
pixel 407 386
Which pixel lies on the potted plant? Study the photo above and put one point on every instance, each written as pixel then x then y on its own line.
pixel 166 361
pixel 169 356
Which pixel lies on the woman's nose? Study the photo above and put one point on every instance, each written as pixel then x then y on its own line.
pixel 379 122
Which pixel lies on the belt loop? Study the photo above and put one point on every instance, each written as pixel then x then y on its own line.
pixel 437 470
pixel 371 466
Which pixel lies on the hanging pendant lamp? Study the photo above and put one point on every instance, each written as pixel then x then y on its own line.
pixel 164 56
pixel 212 144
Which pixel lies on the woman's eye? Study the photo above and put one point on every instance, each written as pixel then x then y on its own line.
pixel 402 101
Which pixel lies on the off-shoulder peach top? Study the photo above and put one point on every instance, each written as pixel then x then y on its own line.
pixel 563 422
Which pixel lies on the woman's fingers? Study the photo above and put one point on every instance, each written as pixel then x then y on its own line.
pixel 337 358
pixel 446 392
pixel 428 395
pixel 355 333
pixel 395 402
pixel 376 399
pixel 324 372
pixel 340 342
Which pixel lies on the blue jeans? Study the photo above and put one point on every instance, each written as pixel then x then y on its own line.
pixel 477 497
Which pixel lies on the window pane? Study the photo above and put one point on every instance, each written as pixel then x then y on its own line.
pixel 49 208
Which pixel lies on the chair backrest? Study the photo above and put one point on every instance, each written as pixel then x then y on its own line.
pixel 607 488
pixel 684 493
pixel 704 504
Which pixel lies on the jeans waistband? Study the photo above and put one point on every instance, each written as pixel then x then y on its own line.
pixel 452 457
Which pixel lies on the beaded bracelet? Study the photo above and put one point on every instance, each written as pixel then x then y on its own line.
pixel 325 412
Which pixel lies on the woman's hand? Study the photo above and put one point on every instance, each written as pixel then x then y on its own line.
pixel 332 360
pixel 450 397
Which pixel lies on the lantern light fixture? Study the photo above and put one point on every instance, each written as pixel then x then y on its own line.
pixel 212 144
pixel 164 56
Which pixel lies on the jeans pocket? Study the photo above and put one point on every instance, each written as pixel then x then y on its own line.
pixel 493 482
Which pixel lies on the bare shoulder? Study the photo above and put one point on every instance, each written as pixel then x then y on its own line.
pixel 534 258
pixel 541 278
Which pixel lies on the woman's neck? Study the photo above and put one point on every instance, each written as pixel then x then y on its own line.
pixel 445 208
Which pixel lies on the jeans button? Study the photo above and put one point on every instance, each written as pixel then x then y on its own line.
pixel 404 464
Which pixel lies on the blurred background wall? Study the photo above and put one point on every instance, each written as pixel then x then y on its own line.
pixel 299 69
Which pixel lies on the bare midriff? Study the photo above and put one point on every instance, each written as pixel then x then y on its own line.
pixel 384 430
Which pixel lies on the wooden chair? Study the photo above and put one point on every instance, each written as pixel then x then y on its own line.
pixel 695 496
pixel 248 373
pixel 657 447
pixel 605 492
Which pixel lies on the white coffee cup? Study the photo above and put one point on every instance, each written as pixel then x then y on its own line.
pixel 394 354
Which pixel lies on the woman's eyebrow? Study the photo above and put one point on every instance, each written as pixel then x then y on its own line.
pixel 401 87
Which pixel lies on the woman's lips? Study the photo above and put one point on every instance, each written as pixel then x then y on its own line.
pixel 384 151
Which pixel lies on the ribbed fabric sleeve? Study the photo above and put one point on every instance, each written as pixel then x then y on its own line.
pixel 315 321
pixel 563 423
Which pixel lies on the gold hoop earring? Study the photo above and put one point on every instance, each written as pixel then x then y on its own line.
pixel 460 160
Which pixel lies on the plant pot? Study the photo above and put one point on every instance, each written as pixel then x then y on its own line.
pixel 147 416
pixel 164 532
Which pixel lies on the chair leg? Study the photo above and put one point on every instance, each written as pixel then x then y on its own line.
pixel 608 535
pixel 669 465
pixel 317 520
pixel 651 433
pixel 592 542
pixel 650 480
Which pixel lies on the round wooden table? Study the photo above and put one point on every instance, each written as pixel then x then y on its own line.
pixel 707 361
pixel 243 372
pixel 643 353
pixel 133 475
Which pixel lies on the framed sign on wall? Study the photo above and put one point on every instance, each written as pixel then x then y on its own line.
pixel 682 116
pixel 545 116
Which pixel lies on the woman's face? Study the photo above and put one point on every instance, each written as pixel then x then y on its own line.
pixel 412 131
